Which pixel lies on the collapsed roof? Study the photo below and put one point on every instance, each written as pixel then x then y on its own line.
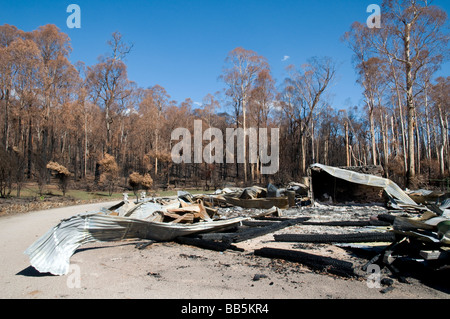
pixel 337 183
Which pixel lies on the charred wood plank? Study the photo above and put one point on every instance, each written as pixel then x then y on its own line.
pixel 257 232
pixel 279 219
pixel 216 236
pixel 337 238
pixel 348 223
pixel 207 244
pixel 386 251
pixel 258 223
pixel 386 218
pixel 322 263
pixel 251 232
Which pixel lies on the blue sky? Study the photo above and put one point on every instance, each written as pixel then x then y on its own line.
pixel 181 45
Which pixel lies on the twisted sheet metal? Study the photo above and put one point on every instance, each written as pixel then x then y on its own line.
pixel 51 253
pixel 391 188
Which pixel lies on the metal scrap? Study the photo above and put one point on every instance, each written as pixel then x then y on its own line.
pixel 398 198
pixel 51 253
pixel 219 221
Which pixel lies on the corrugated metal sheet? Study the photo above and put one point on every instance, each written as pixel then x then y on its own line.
pixel 391 188
pixel 51 253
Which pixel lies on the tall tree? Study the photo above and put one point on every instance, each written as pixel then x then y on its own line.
pixel 8 65
pixel 412 35
pixel 239 74
pixel 372 77
pixel 28 68
pixel 309 84
pixel 261 102
pixel 371 72
pixel 56 74
pixel 441 99
pixel 108 82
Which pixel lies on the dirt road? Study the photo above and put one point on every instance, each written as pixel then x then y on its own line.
pixel 168 270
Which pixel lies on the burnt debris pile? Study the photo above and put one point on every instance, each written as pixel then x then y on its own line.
pixel 345 222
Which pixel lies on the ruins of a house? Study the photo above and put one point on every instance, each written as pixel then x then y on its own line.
pixel 344 185
pixel 406 231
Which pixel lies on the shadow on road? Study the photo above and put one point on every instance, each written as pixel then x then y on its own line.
pixel 30 271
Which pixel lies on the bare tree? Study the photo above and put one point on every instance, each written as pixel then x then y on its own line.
pixel 160 100
pixel 309 84
pixel 261 102
pixel 441 100
pixel 413 36
pixel 108 82
pixel 241 70
pixel 371 71
pixel 56 75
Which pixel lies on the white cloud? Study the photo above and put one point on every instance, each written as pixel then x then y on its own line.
pixel 285 58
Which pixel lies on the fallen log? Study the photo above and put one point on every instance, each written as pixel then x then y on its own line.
pixel 328 264
pixel 337 238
